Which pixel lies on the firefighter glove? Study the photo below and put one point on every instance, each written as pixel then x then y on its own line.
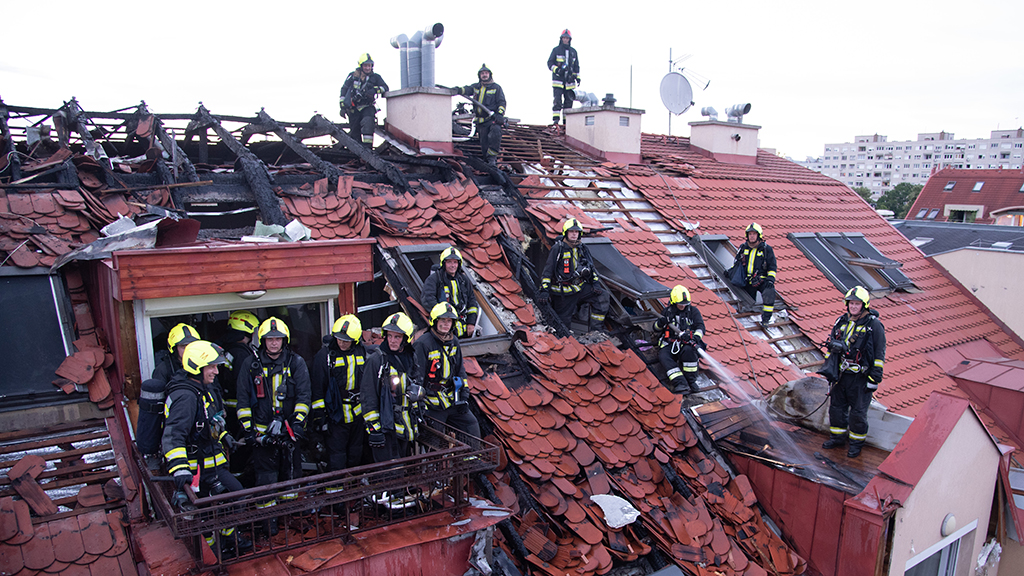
pixel 230 442
pixel 499 119
pixel 182 478
pixel 544 296
pixel 250 436
pixel 299 429
pixel 376 439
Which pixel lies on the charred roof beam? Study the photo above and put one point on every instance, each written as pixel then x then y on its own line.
pixel 256 173
pixel 8 149
pixel 326 168
pixel 180 163
pixel 76 120
pixel 392 173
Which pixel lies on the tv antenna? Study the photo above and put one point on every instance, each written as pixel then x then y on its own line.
pixel 676 92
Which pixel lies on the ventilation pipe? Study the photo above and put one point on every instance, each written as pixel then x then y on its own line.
pixel 402 43
pixel 431 39
pixel 416 55
pixel 736 112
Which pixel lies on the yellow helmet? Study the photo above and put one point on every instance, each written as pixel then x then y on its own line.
pixel 572 224
pixel 451 253
pixel 243 321
pixel 858 293
pixel 755 227
pixel 364 58
pixel 348 328
pixel 679 294
pixel 200 354
pixel 274 328
pixel 399 322
pixel 443 310
pixel 181 334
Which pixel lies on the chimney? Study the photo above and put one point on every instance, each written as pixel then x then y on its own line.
pixel 607 131
pixel 732 141
pixel 421 118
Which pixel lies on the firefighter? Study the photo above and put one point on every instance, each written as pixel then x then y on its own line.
pixel 682 335
pixel 448 282
pixel 193 437
pixel 273 402
pixel 151 398
pixel 569 279
pixel 391 399
pixel 237 344
pixel 490 115
pixel 335 377
pixel 565 75
pixel 358 99
pixel 754 270
pixel 438 365
pixel 858 337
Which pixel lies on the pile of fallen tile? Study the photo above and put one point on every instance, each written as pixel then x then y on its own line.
pixel 552 215
pixel 595 421
pixel 329 214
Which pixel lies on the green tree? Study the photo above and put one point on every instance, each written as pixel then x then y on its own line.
pixel 899 199
pixel 864 193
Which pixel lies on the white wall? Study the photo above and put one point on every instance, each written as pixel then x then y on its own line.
pixel 994 277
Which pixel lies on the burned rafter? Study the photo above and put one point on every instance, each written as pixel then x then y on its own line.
pixel 326 168
pixel 256 173
pixel 180 163
pixel 7 148
pixel 392 173
pixel 77 120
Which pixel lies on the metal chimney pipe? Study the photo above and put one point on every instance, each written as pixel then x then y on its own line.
pixel 402 43
pixel 431 38
pixel 415 59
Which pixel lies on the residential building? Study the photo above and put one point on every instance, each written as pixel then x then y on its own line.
pixel 982 196
pixel 566 416
pixel 879 164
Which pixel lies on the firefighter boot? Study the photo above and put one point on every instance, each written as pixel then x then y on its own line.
pixel 835 442
pixel 691 381
pixel 766 319
pixel 855 448
pixel 228 547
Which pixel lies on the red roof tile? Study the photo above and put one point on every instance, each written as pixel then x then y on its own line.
pixel 1000 189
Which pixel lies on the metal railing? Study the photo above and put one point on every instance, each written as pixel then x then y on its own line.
pixel 328 506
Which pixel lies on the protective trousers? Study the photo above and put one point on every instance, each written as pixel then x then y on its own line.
pixel 564 98
pixel 565 305
pixel 345 444
pixel 393 448
pixel 490 140
pixel 850 401
pixel 680 367
pixel 362 123
pixel 767 291
pixel 457 416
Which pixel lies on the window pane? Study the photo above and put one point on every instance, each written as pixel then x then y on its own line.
pixel 32 341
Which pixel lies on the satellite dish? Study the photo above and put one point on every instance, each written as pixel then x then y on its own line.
pixel 676 93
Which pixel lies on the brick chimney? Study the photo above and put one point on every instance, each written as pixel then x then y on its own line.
pixel 607 132
pixel 730 142
pixel 421 117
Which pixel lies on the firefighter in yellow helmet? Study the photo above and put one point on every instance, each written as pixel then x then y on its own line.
pixel 358 99
pixel 151 397
pixel 438 361
pixel 390 397
pixel 681 328
pixel 237 344
pixel 193 439
pixel 448 282
pixel 564 64
pixel 335 377
pixel 569 279
pixel 754 270
pixel 490 115
pixel 273 403
pixel 856 351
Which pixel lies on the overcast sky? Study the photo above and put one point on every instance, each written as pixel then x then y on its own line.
pixel 814 72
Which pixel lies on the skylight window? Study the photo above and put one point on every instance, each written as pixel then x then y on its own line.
pixel 849 259
pixel 1021 188
pixel 921 213
pixel 933 213
pixel 949 185
pixel 977 186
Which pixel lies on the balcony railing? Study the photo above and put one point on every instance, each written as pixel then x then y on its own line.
pixel 313 509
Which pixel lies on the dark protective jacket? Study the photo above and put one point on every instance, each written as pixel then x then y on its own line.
pixel 757 264
pixel 238 354
pixel 490 95
pixel 335 379
pixel 269 388
pixel 166 365
pixel 865 346
pixel 384 409
pixel 568 268
pixel 358 92
pixel 688 321
pixel 437 363
pixel 191 431
pixel 458 291
pixel 564 64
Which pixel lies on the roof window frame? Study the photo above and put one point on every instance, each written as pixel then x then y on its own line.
pixel 849 259
pixel 949 186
